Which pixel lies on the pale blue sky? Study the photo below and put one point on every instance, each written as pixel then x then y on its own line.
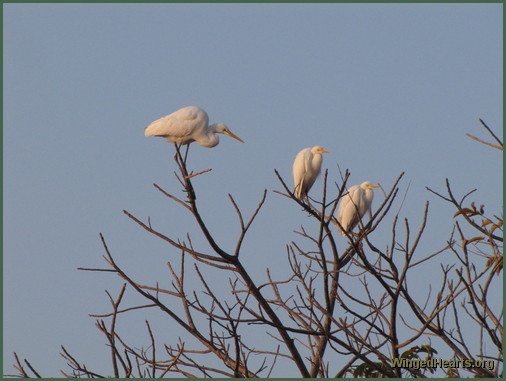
pixel 385 88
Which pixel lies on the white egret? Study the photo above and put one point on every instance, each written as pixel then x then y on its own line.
pixel 187 125
pixel 306 169
pixel 354 205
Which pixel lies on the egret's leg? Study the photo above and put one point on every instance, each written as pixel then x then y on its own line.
pixel 186 153
pixel 178 147
pixel 178 157
pixel 177 151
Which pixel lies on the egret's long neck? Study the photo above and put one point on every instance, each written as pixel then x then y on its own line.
pixel 317 162
pixel 210 138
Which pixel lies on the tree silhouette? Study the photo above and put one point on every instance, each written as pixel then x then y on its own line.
pixel 341 312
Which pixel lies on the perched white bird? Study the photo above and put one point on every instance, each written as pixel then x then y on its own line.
pixel 187 125
pixel 306 169
pixel 354 205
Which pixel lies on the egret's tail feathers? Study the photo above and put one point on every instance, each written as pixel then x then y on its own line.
pixel 156 128
pixel 151 131
pixel 341 230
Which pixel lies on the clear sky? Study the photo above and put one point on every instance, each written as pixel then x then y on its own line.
pixel 386 88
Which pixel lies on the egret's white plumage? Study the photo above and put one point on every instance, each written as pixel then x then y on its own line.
pixel 354 205
pixel 187 125
pixel 306 169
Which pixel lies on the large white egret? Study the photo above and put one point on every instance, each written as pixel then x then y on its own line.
pixel 187 125
pixel 306 168
pixel 354 205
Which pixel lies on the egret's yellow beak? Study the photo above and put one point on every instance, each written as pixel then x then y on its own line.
pixel 228 133
pixel 325 151
pixel 375 186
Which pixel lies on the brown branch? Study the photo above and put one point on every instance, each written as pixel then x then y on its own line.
pixel 19 367
pixel 484 142
pixel 173 243
pixel 244 228
pixel 197 174
pixel 195 333
pixel 172 197
pixel 500 143
pixel 121 311
pixel 491 132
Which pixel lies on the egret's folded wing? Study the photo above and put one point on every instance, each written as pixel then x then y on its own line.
pixel 299 170
pixel 359 205
pixel 180 123
pixel 347 213
pixel 307 157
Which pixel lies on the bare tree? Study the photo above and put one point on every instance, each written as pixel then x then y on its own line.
pixel 341 312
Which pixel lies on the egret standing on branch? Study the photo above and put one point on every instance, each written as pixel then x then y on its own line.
pixel 306 169
pixel 188 125
pixel 354 205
